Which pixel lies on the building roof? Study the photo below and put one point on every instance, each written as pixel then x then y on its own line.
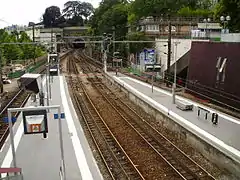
pixel 28 75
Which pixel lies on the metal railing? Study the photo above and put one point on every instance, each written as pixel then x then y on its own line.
pixel 180 20
pixel 11 174
pixel 15 177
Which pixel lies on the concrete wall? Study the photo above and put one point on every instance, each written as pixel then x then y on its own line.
pixel 37 31
pixel 182 49
pixel 205 147
pixel 203 71
pixel 230 37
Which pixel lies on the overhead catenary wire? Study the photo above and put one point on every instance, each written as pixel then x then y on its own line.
pixel 74 42
pixel 210 89
pixel 210 98
pixel 203 95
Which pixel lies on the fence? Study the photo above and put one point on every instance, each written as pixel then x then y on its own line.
pixel 30 68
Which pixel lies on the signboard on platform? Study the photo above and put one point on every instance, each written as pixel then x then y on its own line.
pixel 149 56
pixel 62 116
pixel 5 119
pixel 35 122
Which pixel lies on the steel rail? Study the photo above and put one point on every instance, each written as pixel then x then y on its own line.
pixel 163 138
pixel 175 170
pixel 133 128
pixel 101 132
pixel 181 152
pixel 6 132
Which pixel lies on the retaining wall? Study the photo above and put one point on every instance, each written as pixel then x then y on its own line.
pixel 205 146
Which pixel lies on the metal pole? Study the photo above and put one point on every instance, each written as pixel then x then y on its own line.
pixel 34 44
pixel 47 82
pixel 61 143
pixel 169 49
pixel 152 82
pixel 1 83
pixel 51 37
pixel 41 94
pixel 105 61
pixel 114 39
pixel 175 74
pixel 12 139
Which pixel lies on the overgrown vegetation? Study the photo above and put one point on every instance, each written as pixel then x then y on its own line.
pixel 20 52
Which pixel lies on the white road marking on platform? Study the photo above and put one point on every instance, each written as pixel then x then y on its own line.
pixel 79 153
pixel 224 116
pixel 204 134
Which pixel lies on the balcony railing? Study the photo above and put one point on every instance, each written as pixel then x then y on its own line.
pixel 174 20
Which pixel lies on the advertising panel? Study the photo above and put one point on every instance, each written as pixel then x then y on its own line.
pixel 149 56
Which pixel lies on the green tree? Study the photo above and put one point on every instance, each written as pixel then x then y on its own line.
pixel 11 51
pixel 145 8
pixel 52 17
pixel 138 36
pixel 188 12
pixel 17 51
pixel 28 50
pixel 96 19
pixel 156 8
pixel 76 12
pixel 231 8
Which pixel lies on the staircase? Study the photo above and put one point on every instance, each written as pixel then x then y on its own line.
pixel 182 63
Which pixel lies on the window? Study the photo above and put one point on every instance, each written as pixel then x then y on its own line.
pixel 152 28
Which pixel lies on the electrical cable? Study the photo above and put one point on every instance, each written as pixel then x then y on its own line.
pixel 203 95
pixel 206 88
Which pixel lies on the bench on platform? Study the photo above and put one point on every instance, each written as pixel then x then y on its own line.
pixel 184 106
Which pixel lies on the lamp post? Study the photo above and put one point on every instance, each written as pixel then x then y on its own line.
pixel 106 44
pixel 175 73
pixel 113 28
pixel 33 38
pixel 1 83
pixel 206 21
pixel 225 20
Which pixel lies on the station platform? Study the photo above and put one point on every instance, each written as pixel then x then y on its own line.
pixel 40 158
pixel 224 135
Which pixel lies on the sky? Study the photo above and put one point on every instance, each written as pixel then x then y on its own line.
pixel 22 12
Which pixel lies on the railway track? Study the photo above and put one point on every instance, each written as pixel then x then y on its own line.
pixel 118 164
pixel 166 155
pixel 178 160
pixel 19 100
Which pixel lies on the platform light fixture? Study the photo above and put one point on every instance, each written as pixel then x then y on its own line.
pixel 206 21
pixel 225 21
pixel 175 73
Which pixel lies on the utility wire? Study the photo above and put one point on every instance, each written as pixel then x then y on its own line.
pixel 209 89
pixel 210 98
pixel 203 95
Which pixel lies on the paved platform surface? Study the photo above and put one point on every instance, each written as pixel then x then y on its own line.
pixel 225 133
pixel 40 158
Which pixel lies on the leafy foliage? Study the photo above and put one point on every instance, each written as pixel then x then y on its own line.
pixel 156 8
pixel 52 17
pixel 138 36
pixel 187 11
pixel 76 12
pixel 231 8
pixel 15 52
